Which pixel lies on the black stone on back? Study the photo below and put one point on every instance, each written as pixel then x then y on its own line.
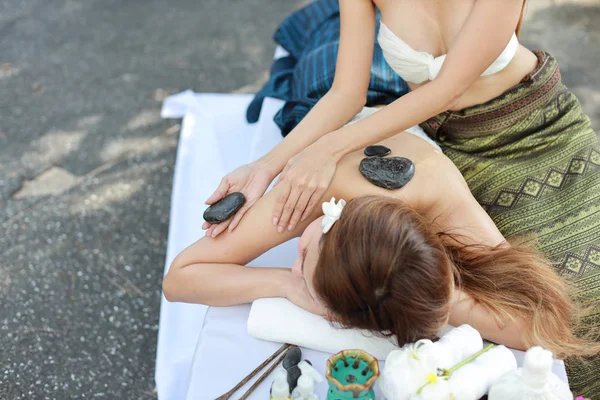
pixel 224 209
pixel 377 151
pixel 388 173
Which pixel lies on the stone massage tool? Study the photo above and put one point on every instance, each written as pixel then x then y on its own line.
pixel 377 151
pixel 290 364
pixel 388 173
pixel 225 208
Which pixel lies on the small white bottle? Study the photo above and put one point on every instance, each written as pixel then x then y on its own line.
pixel 280 389
pixel 535 380
pixel 307 382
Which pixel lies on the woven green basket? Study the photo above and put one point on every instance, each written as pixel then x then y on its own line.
pixel 352 375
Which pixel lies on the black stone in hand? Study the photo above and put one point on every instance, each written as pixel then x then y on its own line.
pixel 377 151
pixel 225 208
pixel 388 173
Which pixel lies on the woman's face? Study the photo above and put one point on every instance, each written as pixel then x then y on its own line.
pixel 308 251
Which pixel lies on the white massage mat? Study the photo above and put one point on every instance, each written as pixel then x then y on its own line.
pixel 214 139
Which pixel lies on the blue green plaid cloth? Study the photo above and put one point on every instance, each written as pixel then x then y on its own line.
pixel 311 36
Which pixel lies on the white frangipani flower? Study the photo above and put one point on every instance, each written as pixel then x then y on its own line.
pixel 332 213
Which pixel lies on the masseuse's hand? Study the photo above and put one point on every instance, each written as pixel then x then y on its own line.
pixel 297 292
pixel 304 181
pixel 252 180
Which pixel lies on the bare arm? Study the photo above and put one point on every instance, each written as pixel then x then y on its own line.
pixel 340 104
pixel 471 54
pixel 211 271
pixel 465 311
pixel 348 93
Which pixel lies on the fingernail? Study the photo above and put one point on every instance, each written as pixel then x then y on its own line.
pixel 275 220
pixel 302 219
pixel 290 227
pixel 280 229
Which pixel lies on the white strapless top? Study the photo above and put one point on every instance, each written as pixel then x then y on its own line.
pixel 417 66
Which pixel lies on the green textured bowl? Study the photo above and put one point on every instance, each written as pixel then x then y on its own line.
pixel 351 375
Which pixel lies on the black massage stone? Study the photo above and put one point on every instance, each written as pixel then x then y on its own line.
pixel 290 364
pixel 377 151
pixel 388 173
pixel 225 208
pixel 293 357
pixel 293 373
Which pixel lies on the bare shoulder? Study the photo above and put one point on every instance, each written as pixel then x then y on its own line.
pixel 452 206
pixel 441 171
pixel 437 184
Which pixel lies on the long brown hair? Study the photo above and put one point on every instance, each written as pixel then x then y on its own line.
pixel 383 268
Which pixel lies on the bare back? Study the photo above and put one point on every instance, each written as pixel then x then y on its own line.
pixel 437 191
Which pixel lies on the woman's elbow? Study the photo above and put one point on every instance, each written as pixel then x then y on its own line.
pixel 353 100
pixel 453 100
pixel 169 287
pixel 171 284
pixel 449 93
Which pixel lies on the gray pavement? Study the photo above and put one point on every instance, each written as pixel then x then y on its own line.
pixel 86 167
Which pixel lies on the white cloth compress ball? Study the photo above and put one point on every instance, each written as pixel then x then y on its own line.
pixel 534 381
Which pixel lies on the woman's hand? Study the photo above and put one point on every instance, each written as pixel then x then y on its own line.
pixel 252 180
pixel 305 179
pixel 297 292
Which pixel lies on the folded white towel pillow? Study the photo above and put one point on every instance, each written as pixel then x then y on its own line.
pixel 279 320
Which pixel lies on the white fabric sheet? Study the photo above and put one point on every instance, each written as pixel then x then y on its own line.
pixel 203 352
pixel 215 139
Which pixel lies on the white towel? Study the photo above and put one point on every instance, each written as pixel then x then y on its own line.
pixel 279 320
pixel 474 380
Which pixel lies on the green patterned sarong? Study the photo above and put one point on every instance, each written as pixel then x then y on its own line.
pixel 532 160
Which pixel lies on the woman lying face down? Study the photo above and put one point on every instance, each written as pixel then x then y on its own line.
pixel 397 262
pixel 382 268
pixel 379 268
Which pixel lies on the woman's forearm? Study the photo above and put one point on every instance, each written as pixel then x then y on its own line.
pixel 407 111
pixel 334 110
pixel 466 311
pixel 223 284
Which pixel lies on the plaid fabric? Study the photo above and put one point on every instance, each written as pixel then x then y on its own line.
pixel 311 36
